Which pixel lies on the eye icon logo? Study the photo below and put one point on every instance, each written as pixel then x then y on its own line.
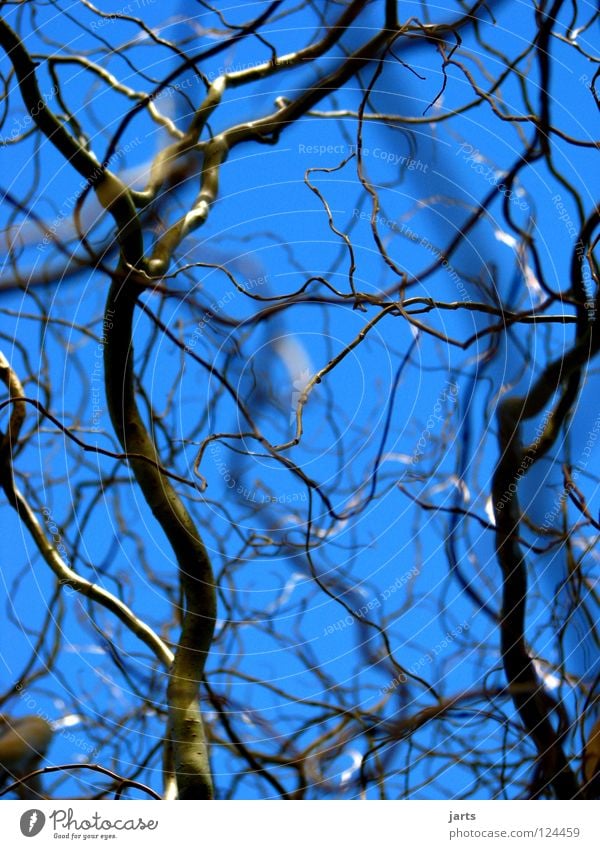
pixel 32 822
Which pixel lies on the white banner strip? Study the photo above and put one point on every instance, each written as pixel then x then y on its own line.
pixel 305 825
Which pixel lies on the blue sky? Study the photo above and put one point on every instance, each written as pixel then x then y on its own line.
pixel 271 232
